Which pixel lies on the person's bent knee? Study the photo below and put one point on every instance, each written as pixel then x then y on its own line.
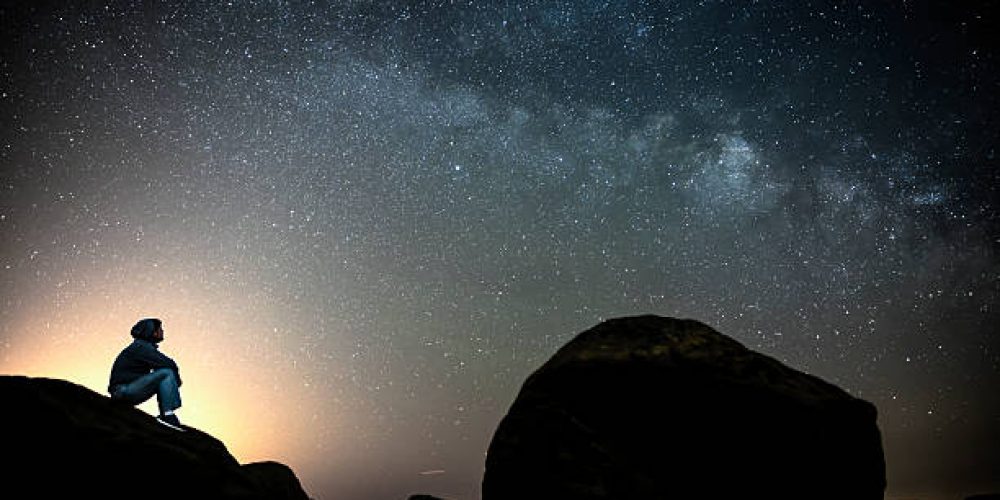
pixel 164 373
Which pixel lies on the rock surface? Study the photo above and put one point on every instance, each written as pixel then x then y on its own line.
pixel 61 440
pixel 659 408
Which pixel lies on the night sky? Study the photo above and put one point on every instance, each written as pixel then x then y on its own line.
pixel 365 224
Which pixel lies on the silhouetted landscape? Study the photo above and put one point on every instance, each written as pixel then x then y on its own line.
pixel 651 407
pixel 634 408
pixel 62 440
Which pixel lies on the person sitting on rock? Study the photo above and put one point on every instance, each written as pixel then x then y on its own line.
pixel 141 370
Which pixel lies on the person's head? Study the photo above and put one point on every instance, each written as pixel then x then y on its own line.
pixel 150 329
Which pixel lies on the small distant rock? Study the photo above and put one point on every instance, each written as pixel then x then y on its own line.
pixel 659 408
pixel 62 440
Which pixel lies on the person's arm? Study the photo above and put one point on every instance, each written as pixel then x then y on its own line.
pixel 152 357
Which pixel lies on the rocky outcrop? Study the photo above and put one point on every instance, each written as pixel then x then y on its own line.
pixel 660 408
pixel 61 440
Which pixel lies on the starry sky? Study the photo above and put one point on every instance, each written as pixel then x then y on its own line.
pixel 365 223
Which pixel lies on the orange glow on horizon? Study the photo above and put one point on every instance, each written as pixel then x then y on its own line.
pixel 239 392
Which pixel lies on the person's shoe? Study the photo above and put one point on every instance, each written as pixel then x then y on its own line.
pixel 170 421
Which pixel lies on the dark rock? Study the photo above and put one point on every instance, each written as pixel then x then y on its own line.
pixel 660 408
pixel 987 496
pixel 423 497
pixel 61 440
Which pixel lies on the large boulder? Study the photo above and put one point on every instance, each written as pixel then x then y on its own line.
pixel 61 440
pixel 661 408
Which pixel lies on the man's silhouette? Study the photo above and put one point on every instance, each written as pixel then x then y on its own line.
pixel 141 370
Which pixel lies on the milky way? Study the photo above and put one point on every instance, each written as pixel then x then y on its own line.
pixel 384 217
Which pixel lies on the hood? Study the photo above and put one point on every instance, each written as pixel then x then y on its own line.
pixel 144 329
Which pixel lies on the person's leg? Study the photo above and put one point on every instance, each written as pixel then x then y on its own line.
pixel 162 382
pixel 139 390
pixel 168 395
